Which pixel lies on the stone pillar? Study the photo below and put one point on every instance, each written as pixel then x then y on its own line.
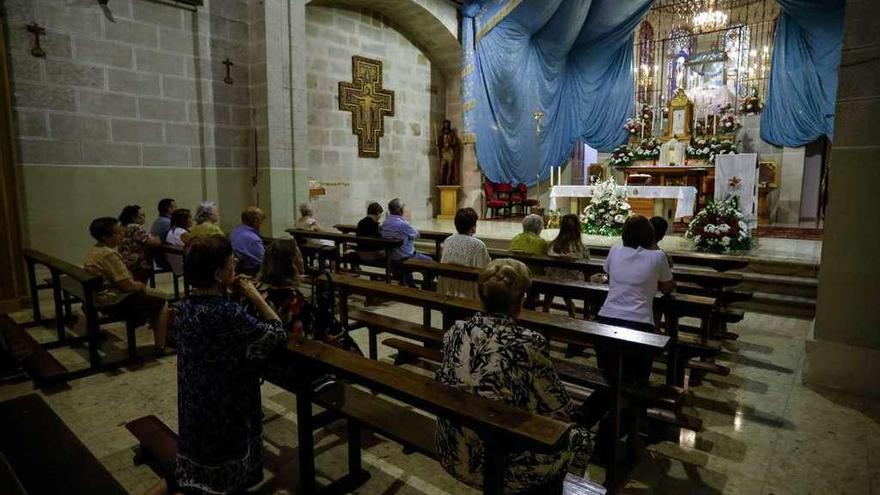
pixel 471 180
pixel 280 118
pixel 844 349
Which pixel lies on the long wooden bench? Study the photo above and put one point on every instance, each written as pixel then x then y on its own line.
pixel 45 456
pixel 69 284
pixel 340 240
pixel 501 427
pixel 434 236
pixel 39 364
pixel 617 341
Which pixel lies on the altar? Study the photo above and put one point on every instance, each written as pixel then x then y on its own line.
pixel 699 177
pixel 685 196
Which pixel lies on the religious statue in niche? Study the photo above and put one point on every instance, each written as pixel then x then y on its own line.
pixel 447 152
pixel 368 103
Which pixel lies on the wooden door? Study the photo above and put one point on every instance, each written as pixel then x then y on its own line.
pixel 13 292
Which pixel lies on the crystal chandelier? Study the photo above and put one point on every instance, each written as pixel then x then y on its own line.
pixel 709 19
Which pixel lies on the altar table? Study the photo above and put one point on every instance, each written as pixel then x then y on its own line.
pixel 685 196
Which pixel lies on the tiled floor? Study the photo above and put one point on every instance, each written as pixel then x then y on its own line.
pixel 765 432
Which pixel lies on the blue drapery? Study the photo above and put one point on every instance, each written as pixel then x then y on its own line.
pixel 803 79
pixel 570 59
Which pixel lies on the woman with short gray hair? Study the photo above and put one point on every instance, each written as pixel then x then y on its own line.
pixel 490 355
pixel 207 216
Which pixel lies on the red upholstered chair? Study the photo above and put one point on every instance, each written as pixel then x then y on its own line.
pixel 493 204
pixel 504 192
pixel 522 195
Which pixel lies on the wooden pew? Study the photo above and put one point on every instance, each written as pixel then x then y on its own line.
pixel 500 426
pixel 41 366
pixel 46 457
pixel 617 340
pixel 71 283
pixel 718 262
pixel 593 295
pixel 341 240
pixel 429 235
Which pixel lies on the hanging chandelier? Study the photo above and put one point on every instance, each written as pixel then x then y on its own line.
pixel 709 19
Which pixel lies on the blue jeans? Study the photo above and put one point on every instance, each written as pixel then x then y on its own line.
pixel 407 277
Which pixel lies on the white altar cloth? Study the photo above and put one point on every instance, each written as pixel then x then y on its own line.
pixel 686 196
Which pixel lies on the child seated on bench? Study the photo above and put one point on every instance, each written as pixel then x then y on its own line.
pixel 492 356
pixel 122 295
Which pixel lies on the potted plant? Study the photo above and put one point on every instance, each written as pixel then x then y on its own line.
pixel 720 228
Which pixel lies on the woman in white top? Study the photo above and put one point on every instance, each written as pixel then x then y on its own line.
pixel 463 249
pixel 178 236
pixel 635 274
pixel 568 244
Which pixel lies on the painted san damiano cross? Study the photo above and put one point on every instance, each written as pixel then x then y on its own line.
pixel 368 103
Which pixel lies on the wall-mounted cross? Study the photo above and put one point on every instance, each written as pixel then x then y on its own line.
pixel 368 103
pixel 37 31
pixel 228 63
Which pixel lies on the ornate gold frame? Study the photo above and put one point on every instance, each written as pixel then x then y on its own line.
pixel 680 101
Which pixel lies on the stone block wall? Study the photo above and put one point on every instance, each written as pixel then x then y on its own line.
pixel 139 85
pixel 407 164
pixel 136 85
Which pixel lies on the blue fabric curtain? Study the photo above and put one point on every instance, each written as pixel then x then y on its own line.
pixel 803 79
pixel 570 59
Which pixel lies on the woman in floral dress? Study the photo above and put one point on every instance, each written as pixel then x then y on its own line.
pixel 136 243
pixel 492 356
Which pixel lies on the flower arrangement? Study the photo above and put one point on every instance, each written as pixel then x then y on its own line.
pixel 720 228
pixel 622 156
pixel 752 104
pixel 729 123
pixel 709 148
pixel 607 211
pixel 633 127
pixel 647 118
pixel 648 149
pixel 552 219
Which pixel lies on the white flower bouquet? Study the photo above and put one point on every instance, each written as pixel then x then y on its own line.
pixel 607 211
pixel 622 156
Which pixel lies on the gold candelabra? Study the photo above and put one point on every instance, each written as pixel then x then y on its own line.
pixel 538 114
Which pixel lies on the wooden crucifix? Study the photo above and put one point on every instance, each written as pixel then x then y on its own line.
pixel 368 103
pixel 228 63
pixel 37 31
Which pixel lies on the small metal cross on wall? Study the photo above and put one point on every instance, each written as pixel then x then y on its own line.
pixel 368 103
pixel 37 31
pixel 228 63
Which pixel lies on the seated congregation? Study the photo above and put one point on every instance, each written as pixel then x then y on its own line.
pixel 245 315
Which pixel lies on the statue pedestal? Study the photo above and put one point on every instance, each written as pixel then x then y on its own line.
pixel 448 202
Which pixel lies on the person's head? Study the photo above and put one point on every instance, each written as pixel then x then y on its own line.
pixel 660 226
pixel 131 214
pixel 305 210
pixel 181 219
pixel 374 210
pixel 395 207
pixel 282 264
pixel 466 221
pixel 106 230
pixel 502 286
pixel 209 263
pixel 569 238
pixel 253 217
pixel 637 232
pixel 207 212
pixel 447 125
pixel 166 207
pixel 533 224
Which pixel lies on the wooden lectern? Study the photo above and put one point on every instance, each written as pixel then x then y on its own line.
pixel 448 202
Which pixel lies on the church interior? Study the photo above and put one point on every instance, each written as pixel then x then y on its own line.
pixel 439 247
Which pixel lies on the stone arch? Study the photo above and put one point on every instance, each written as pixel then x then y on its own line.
pixel 422 27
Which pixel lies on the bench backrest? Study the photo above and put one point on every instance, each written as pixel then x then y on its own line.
pixel 57 266
pixel 719 262
pixel 431 235
pixel 507 424
pixel 577 289
pixel 554 327
pixel 343 238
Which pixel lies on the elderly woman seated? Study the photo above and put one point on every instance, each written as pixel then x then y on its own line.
pixel 492 356
pixel 529 241
pixel 207 217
